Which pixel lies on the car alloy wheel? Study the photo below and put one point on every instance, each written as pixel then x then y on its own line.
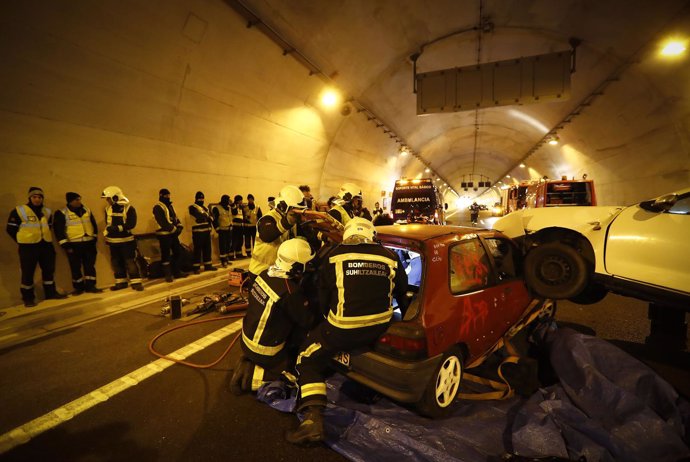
pixel 448 381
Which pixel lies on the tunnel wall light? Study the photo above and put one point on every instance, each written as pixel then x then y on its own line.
pixel 553 141
pixel 673 47
pixel 330 97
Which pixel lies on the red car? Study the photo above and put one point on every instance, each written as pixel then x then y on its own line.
pixel 466 293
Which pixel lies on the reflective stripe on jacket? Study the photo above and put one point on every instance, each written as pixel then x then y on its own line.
pixel 161 231
pixel 79 229
pixel 260 332
pixel 344 215
pixel 117 218
pixel 33 230
pixel 201 227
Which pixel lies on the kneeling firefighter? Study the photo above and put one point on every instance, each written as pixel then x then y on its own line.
pixel 356 280
pixel 277 320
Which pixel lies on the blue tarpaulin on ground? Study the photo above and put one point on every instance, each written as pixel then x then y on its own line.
pixel 606 406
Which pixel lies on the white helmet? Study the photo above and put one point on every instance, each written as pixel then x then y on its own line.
pixel 349 191
pixel 360 227
pixel 114 193
pixel 290 196
pixel 293 255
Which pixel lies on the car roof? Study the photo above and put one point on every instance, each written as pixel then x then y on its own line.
pixel 420 232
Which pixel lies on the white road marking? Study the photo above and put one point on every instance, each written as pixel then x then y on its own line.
pixel 52 419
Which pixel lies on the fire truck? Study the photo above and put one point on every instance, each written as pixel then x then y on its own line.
pixel 550 193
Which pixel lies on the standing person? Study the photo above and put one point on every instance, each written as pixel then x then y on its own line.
pixel 474 213
pixel 356 283
pixel 120 220
pixel 348 204
pixel 236 209
pixel 76 231
pixel 201 234
pixel 377 210
pixel 278 317
pixel 222 221
pixel 169 228
pixel 271 203
pixel 29 226
pixel 277 226
pixel 252 214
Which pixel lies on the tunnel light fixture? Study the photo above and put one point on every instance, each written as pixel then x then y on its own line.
pixel 553 141
pixel 522 165
pixel 330 97
pixel 404 151
pixel 427 170
pixel 673 47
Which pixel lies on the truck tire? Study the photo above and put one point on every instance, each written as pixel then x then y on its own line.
pixel 439 396
pixel 555 270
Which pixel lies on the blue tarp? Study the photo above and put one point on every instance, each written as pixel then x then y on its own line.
pixel 606 406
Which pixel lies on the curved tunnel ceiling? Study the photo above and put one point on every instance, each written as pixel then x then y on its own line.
pixel 365 47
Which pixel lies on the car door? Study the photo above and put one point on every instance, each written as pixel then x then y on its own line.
pixel 652 247
pixel 480 313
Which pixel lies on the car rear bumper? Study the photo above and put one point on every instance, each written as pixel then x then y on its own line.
pixel 401 380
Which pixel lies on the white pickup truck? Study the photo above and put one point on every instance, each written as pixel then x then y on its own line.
pixel 581 253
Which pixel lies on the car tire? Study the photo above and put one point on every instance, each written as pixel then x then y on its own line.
pixel 593 293
pixel 555 270
pixel 440 395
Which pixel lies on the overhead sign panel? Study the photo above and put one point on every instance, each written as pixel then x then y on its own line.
pixel 517 81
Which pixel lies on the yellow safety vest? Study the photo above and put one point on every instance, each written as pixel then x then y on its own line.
pixel 160 231
pixel 126 236
pixel 79 229
pixel 251 215
pixel 224 218
pixel 265 253
pixel 344 216
pixel 32 230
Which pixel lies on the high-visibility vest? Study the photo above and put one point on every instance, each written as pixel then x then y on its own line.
pixel 160 231
pixel 201 227
pixel 224 218
pixel 32 229
pixel 344 216
pixel 117 219
pixel 251 215
pixel 265 253
pixel 79 229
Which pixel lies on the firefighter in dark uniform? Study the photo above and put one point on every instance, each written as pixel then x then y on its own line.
pixel 169 228
pixel 348 204
pixel 120 220
pixel 356 280
pixel 474 213
pixel 276 227
pixel 76 232
pixel 222 221
pixel 236 210
pixel 29 226
pixel 201 234
pixel 252 214
pixel 277 319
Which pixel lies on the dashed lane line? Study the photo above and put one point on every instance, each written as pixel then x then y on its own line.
pixel 24 433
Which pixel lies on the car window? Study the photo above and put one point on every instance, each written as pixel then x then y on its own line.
pixel 682 206
pixel 469 267
pixel 505 258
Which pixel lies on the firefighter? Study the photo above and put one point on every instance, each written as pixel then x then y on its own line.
pixel 474 212
pixel 308 198
pixel 29 226
pixel 252 214
pixel 120 220
pixel 76 231
pixel 277 226
pixel 169 229
pixel 277 319
pixel 356 280
pixel 201 234
pixel 348 203
pixel 236 210
pixel 222 221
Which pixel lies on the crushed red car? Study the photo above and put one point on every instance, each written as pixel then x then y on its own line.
pixel 466 292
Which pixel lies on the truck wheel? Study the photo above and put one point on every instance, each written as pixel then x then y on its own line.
pixel 556 270
pixel 593 293
pixel 442 389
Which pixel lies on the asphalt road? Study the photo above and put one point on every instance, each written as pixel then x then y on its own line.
pixel 185 414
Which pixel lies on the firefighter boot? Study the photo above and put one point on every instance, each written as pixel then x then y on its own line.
pixel 119 286
pixel 311 428
pixel 52 293
pixel 167 272
pixel 209 267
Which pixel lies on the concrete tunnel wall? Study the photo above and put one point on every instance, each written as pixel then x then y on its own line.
pixel 145 95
